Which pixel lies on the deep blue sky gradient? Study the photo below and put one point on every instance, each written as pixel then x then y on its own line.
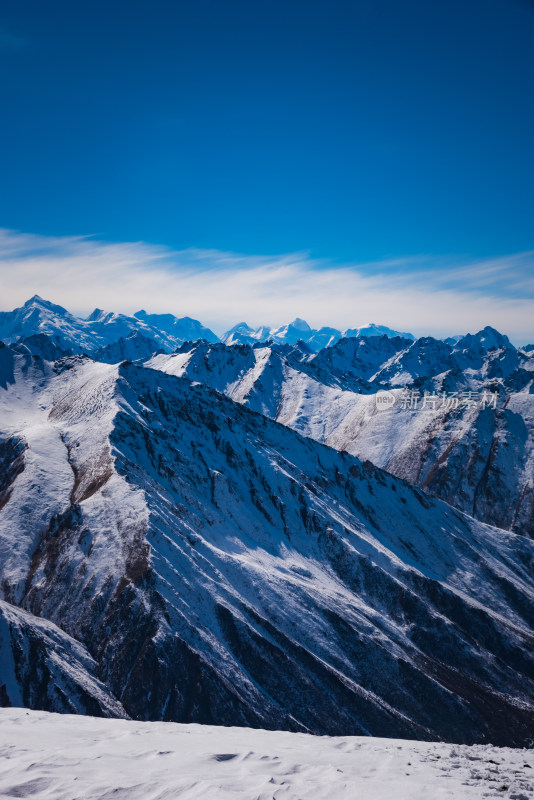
pixel 353 130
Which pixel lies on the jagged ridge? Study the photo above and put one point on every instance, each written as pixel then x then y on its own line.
pixel 220 568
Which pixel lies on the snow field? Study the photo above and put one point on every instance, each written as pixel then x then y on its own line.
pixel 63 757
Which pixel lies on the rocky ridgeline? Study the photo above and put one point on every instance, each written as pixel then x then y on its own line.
pixel 218 567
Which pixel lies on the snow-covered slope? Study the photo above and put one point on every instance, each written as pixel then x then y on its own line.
pixel 353 359
pixel 284 334
pixel 371 329
pixel 45 755
pixel 134 347
pixel 244 334
pixel 486 339
pixel 43 345
pixel 291 333
pixel 251 375
pixel 180 330
pixel 220 568
pixel 475 456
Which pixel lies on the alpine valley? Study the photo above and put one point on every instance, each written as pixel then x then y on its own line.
pixel 236 533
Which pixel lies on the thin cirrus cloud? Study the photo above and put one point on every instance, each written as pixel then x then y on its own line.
pixel 421 294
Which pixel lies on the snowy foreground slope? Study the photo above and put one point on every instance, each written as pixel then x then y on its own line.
pixel 217 567
pixel 72 758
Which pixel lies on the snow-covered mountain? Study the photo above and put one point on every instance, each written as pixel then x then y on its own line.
pixel 38 316
pixel 101 328
pixel 299 330
pixel 459 455
pixel 220 568
pixel 291 333
pixel 179 330
pixel 135 347
pixel 106 327
pixel 43 345
pixel 486 339
pixel 284 334
pixel 376 330
pixel 324 337
pixel 352 360
pixel 476 455
pixel 244 334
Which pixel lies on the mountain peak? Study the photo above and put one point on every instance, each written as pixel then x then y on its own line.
pixel 96 314
pixel 489 334
pixel 37 300
pixel 487 339
pixel 372 329
pixel 300 324
pixel 241 326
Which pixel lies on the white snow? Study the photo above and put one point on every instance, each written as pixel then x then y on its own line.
pixel 371 329
pixel 54 415
pixel 99 329
pixel 69 758
pixel 417 444
pixel 299 329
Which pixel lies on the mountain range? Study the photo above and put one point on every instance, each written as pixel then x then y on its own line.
pixel 102 328
pixel 209 535
pixel 299 330
pixel 470 441
pixel 166 331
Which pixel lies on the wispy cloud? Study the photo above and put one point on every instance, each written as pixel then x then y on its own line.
pixel 421 294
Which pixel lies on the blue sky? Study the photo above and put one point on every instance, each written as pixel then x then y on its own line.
pixel 359 133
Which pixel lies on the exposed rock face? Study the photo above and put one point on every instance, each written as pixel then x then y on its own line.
pixel 352 360
pixel 39 344
pixel 11 465
pixel 220 568
pixel 43 668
